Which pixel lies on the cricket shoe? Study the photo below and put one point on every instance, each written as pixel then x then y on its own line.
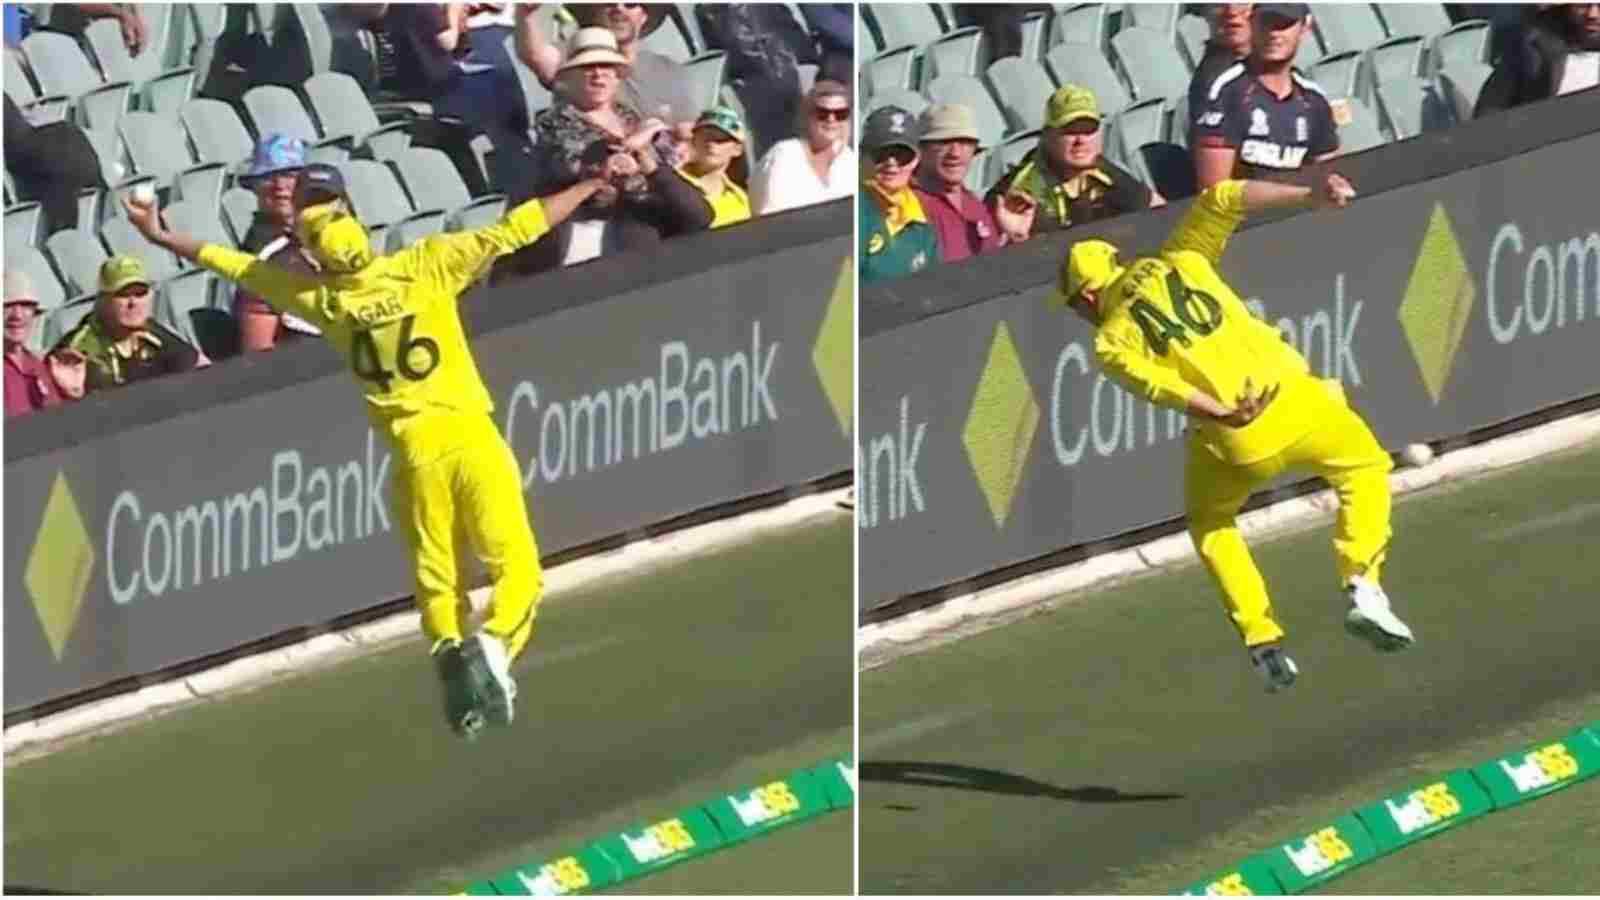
pixel 463 705
pixel 1275 666
pixel 1371 619
pixel 490 666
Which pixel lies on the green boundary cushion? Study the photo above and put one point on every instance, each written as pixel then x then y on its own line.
pixel 1413 815
pixel 1313 858
pixel 660 845
pixel 590 869
pixel 1539 770
pixel 744 814
pixel 1254 876
pixel 838 780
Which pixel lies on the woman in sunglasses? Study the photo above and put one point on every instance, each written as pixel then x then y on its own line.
pixel 816 166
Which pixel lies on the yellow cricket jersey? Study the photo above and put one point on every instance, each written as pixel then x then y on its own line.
pixel 729 206
pixel 396 321
pixel 1171 326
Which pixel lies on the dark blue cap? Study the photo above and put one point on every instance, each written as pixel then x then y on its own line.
pixel 316 181
pixel 1296 11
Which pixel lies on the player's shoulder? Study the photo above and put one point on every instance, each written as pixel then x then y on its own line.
pixel 1229 83
pixel 1313 91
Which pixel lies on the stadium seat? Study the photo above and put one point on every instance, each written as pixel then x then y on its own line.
pixel 23 224
pixel 1397 57
pixel 534 93
pixel 95 204
pixel 977 180
pixel 381 204
pixel 1461 83
pixel 199 218
pixel 238 210
pixel 705 77
pixel 20 88
pixel 961 52
pixel 908 100
pixel 689 24
pixel 1023 88
pixel 342 110
pixel 277 109
pixel 905 24
pixel 1422 20
pixel 61 68
pixel 1340 75
pixel 1193 33
pixel 1151 63
pixel 205 26
pixel 78 255
pixel 1140 124
pixel 1347 26
pixel 62 319
pixel 1411 106
pixel 433 183
pixel 669 40
pixel 1363 131
pixel 1466 43
pixel 189 305
pixel 122 238
pixel 158 89
pixel 890 70
pixel 46 283
pixel 1161 18
pixel 217 133
pixel 303 42
pixel 1080 23
pixel 1310 51
pixel 867 44
pixel 1083 65
pixel 969 91
pixel 157 147
pixel 1008 154
pixel 1035 28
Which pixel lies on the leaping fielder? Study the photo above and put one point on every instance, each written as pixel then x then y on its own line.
pixel 1170 329
pixel 456 486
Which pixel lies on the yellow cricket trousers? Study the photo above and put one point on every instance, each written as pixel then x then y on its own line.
pixel 1341 449
pixel 469 502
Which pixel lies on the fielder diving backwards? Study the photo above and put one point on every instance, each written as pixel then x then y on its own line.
pixel 1169 328
pixel 456 485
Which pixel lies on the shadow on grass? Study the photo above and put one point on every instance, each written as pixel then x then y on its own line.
pixel 990 781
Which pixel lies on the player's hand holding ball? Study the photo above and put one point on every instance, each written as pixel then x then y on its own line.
pixel 1337 191
pixel 142 210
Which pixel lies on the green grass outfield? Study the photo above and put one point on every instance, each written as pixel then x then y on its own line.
pixel 640 697
pixel 1120 743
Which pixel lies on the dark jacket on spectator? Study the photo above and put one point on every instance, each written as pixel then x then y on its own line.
pixel 53 162
pixel 1533 65
pixel 157 351
pixel 1001 23
pixel 765 47
pixel 1102 192
pixel 833 26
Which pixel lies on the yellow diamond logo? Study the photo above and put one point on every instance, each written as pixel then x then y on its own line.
pixel 60 565
pixel 834 353
pixel 1437 303
pixel 1000 425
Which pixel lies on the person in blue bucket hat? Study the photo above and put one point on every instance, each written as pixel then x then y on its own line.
pixel 271 176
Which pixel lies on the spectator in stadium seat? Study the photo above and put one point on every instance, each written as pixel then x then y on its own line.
pixel 346 22
pixel 896 238
pixel 272 173
pixel 765 47
pixel 963 224
pixel 1066 180
pixel 717 148
pixel 817 166
pixel 1558 52
pixel 1229 44
pixel 459 50
pixel 1001 24
pixel 120 342
pixel 833 26
pixel 651 83
pixel 30 381
pixel 1261 118
pixel 53 162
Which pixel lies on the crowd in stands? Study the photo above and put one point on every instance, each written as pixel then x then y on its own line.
pixel 1058 115
pixel 438 116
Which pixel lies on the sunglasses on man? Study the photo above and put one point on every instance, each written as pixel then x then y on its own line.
pixel 831 114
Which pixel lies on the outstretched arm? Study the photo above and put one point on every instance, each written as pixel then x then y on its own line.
pixel 285 290
pixel 1219 209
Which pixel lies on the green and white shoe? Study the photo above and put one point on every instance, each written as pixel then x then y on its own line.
pixel 463 702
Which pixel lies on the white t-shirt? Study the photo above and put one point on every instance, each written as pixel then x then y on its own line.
pixel 785 178
pixel 1582 72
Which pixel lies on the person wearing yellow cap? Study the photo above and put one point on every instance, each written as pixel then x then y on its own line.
pixel 456 487
pixel 1066 180
pixel 121 342
pixel 1172 331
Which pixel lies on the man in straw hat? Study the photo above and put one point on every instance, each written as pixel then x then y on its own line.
pixel 964 225
pixel 1172 331
pixel 395 321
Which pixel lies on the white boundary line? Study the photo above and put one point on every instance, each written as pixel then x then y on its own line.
pixel 969 614
pixel 40 737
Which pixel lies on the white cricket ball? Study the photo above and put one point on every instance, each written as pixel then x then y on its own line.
pixel 144 195
pixel 1417 454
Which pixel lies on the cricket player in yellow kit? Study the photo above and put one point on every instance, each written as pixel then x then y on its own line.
pixel 1171 330
pixel 456 485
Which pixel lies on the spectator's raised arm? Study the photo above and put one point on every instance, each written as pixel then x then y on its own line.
pixel 533 48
